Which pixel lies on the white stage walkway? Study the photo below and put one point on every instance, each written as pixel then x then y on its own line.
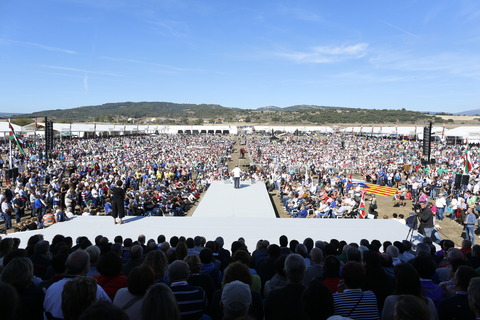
pixel 230 213
pixel 222 200
pixel 252 230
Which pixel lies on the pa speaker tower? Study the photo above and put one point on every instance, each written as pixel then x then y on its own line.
pixel 427 141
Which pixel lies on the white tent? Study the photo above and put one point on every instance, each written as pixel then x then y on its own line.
pixel 5 130
pixel 4 127
pixel 391 130
pixel 292 129
pixel 472 134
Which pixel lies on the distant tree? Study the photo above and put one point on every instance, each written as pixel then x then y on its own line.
pixel 248 119
pixel 21 121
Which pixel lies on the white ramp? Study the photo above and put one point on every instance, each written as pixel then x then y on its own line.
pixel 251 229
pixel 222 200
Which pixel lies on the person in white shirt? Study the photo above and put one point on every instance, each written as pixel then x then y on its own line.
pixel 237 172
pixel 454 206
pixel 440 203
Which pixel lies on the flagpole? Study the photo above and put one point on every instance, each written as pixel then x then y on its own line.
pixel 10 162
pixel 35 137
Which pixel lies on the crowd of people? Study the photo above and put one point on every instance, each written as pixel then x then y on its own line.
pixel 314 175
pixel 166 174
pixel 160 175
pixel 192 278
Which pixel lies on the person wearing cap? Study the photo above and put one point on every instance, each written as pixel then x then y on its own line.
pixel 426 220
pixel 236 300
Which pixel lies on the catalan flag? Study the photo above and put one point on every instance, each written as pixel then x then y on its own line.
pixel 380 190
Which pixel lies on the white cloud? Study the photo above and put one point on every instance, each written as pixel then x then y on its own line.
pixel 40 46
pixel 148 63
pixel 447 63
pixel 327 54
pixel 83 71
pixel 399 29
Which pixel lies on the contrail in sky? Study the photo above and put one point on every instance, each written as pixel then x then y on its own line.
pixel 398 28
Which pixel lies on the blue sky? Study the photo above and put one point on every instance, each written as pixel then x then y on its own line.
pixel 420 55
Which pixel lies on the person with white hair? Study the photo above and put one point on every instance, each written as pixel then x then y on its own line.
pixel 236 300
pixel 285 302
pixel 393 252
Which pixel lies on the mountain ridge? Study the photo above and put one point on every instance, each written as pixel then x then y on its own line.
pixel 188 113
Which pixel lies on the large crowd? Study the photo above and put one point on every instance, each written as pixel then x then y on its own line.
pixel 165 174
pixel 314 174
pixel 192 278
pixel 161 175
pixel 199 279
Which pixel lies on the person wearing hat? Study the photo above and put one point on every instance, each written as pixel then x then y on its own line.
pixel 236 300
pixel 426 220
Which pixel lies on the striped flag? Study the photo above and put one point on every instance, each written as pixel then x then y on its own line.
pixel 380 190
pixel 467 160
pixel 361 207
pixel 14 137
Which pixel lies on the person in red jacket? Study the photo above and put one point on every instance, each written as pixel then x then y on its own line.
pixel 110 277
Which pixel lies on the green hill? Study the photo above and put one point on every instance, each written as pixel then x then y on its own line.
pixel 213 113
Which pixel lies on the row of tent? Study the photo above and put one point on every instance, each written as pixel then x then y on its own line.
pixel 471 133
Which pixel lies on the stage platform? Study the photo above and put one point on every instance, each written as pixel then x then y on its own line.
pixel 251 229
pixel 231 213
pixel 222 200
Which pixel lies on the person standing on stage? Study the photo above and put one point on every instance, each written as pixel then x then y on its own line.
pixel 118 196
pixel 426 220
pixel 237 172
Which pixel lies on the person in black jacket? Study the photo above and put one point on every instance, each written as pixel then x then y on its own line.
pixel 426 219
pixel 118 196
